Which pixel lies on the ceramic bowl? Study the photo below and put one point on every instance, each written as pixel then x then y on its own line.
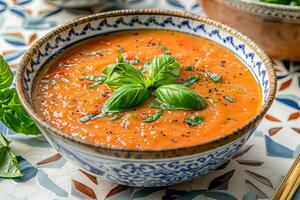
pixel 276 28
pixel 146 168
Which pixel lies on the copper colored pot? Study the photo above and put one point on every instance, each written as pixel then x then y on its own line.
pixel 276 28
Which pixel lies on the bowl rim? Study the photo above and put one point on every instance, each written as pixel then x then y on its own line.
pixel 281 7
pixel 145 153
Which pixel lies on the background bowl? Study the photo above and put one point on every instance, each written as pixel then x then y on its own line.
pixel 136 167
pixel 276 28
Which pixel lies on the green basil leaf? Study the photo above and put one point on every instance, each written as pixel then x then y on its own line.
pixel 146 67
pixel 115 117
pixel 121 74
pixel 189 68
pixel 6 75
pixel 194 121
pixel 229 99
pixel 120 58
pixel 164 70
pixel 9 167
pixel 93 78
pixel 86 118
pixel 6 95
pixel 161 106
pixel 126 97
pixel 214 77
pixel 180 97
pixel 13 114
pixel 97 52
pixel 132 62
pixel 154 117
pixel 193 79
pixel 164 49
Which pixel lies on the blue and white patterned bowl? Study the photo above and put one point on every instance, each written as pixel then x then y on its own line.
pixel 135 167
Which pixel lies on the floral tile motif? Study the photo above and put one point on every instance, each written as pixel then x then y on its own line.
pixel 253 173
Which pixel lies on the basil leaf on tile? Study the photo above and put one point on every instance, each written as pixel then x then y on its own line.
pixel 6 75
pixel 9 167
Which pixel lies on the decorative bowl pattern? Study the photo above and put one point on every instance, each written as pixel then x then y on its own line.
pixel 135 167
pixel 276 28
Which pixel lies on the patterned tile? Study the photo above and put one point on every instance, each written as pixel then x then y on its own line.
pixel 254 172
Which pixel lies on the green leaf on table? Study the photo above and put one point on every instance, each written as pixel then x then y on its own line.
pixel 180 97
pixel 9 167
pixel 6 75
pixel 126 97
pixel 12 112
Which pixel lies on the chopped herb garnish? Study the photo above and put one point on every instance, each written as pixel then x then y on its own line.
pixel 120 58
pixel 70 65
pixel 115 117
pixel 194 121
pixel 100 115
pixel 86 118
pixel 164 49
pixel 154 117
pixel 95 84
pixel 93 78
pixel 120 49
pixel 97 52
pixel 214 77
pixel 98 80
pixel 132 62
pixel 193 79
pixel 161 106
pixel 228 98
pixel 189 68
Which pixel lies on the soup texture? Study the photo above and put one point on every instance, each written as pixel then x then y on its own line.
pixel 66 95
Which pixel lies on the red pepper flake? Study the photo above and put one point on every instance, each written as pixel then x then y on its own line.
pixel 174 140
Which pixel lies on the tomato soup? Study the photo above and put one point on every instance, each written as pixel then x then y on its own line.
pixel 62 97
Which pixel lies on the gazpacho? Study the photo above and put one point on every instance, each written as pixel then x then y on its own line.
pixel 147 89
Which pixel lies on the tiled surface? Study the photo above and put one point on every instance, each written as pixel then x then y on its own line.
pixel 254 174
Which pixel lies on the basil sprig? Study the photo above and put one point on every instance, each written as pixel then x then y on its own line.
pixel 133 88
pixel 14 117
pixel 9 167
pixel 12 113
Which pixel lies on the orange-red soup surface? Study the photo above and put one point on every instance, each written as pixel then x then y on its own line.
pixel 62 98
